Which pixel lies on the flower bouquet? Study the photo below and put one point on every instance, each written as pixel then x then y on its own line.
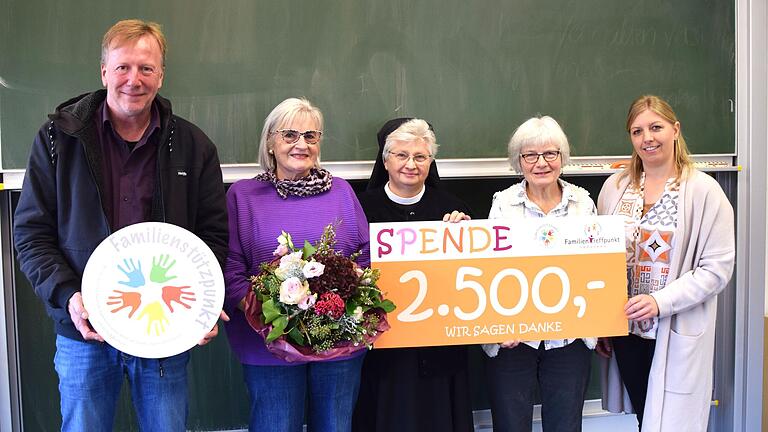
pixel 314 303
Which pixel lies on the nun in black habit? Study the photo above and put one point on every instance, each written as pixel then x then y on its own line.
pixel 412 389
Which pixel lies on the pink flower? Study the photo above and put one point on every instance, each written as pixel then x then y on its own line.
pixel 307 302
pixel 313 269
pixel 281 250
pixel 293 290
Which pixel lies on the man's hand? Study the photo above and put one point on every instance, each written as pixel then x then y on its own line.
pixel 214 331
pixel 79 317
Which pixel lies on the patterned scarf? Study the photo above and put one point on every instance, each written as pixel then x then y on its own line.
pixel 318 181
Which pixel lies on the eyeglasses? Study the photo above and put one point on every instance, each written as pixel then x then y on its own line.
pixel 404 157
pixel 290 136
pixel 532 158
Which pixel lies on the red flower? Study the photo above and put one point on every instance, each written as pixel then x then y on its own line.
pixel 330 304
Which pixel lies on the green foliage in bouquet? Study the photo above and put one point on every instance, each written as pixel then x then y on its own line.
pixel 316 297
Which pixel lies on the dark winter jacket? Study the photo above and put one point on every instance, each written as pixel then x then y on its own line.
pixel 60 217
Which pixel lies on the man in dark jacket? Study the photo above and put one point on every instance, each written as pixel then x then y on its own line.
pixel 106 160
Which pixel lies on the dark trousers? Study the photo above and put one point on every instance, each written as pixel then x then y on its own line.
pixel 560 374
pixel 634 356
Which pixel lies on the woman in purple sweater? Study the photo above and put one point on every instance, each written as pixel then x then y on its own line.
pixel 293 195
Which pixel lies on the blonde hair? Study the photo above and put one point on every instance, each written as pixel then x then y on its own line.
pixel 660 107
pixel 132 30
pixel 282 115
pixel 410 131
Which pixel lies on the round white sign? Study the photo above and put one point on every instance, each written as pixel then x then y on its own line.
pixel 153 289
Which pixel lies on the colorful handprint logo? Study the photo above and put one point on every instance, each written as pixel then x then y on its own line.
pixel 546 235
pixel 148 298
pixel 152 289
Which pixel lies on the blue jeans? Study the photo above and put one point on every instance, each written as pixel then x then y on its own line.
pixel 278 395
pixel 561 375
pixel 90 377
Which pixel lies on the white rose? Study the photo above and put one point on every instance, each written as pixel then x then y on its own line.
pixel 293 290
pixel 313 269
pixel 287 261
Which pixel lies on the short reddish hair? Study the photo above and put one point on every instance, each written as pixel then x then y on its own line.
pixel 131 30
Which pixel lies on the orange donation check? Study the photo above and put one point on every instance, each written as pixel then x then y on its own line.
pixel 484 281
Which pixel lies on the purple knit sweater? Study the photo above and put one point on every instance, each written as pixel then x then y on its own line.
pixel 257 214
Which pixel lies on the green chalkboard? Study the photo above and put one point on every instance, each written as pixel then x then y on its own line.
pixel 475 69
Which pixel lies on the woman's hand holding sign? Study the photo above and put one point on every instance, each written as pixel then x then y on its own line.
pixel 641 307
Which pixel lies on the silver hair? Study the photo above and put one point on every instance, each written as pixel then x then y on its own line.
pixel 281 116
pixel 534 132
pixel 412 130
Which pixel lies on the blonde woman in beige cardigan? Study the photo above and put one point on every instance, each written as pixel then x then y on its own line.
pixel 680 254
